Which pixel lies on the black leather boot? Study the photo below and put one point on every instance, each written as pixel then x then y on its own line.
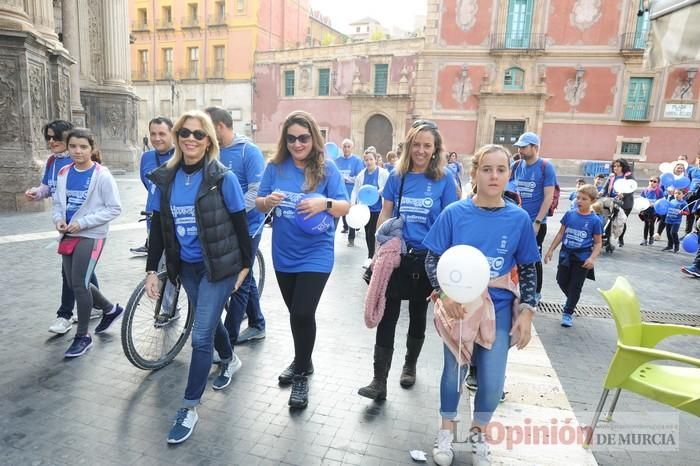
pixel 408 374
pixel 376 389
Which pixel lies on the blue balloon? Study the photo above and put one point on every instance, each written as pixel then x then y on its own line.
pixel 667 179
pixel 681 182
pixel 368 195
pixel 316 224
pixel 690 243
pixel 661 206
pixel 332 150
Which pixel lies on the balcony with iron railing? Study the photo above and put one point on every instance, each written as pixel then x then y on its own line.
pixel 518 42
pixel 217 20
pixel 165 74
pixel 189 73
pixel 190 22
pixel 140 25
pixel 638 111
pixel 633 42
pixel 165 24
pixel 217 72
pixel 139 75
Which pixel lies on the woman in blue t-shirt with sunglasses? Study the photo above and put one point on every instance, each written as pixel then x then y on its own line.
pixel 418 189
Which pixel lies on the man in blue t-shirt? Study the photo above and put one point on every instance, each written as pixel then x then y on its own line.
pixel 535 180
pixel 349 166
pixel 246 161
pixel 160 131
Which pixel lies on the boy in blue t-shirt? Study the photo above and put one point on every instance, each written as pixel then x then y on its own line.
pixel 572 197
pixel 677 208
pixel 581 236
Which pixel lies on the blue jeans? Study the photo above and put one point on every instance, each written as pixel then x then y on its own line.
pixel 245 301
pixel 490 376
pixel 68 297
pixel 209 298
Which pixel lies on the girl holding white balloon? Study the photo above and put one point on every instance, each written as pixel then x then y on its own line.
pixel 372 176
pixel 503 233
pixel 302 189
pixel 647 214
pixel 623 192
pixel 417 191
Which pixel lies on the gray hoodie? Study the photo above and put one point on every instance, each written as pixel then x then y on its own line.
pixel 101 206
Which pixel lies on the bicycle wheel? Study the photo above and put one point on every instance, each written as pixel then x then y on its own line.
pixel 152 334
pixel 260 269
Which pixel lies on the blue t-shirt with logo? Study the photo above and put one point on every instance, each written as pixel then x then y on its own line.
pixel 77 185
pixel 53 165
pixel 675 207
pixel 150 160
pixel 652 194
pixel 349 167
pixel 422 201
pixel 182 206
pixel 246 161
pixel 694 175
pixel 579 232
pixel 373 179
pixel 293 250
pixel 530 181
pixel 504 235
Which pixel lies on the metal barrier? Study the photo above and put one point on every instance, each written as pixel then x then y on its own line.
pixel 594 168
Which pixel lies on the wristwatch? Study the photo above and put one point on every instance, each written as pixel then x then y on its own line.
pixel 538 221
pixel 329 204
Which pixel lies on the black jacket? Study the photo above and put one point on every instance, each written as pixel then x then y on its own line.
pixel 217 235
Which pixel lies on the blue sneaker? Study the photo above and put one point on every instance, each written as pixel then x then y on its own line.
pixel 691 270
pixel 108 319
pixel 79 346
pixel 223 380
pixel 567 320
pixel 185 420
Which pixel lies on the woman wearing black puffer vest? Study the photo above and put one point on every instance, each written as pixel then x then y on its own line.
pixel 199 219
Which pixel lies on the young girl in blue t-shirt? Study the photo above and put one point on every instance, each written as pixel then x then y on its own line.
pixel 677 208
pixel 581 236
pixel 503 232
pixel 653 193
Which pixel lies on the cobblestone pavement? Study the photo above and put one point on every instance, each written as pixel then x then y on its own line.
pixel 99 409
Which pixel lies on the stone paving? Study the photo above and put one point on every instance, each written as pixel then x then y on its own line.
pixel 99 409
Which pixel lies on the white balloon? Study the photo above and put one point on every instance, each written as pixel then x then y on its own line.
pixel 666 167
pixel 463 273
pixel 625 186
pixel 641 203
pixel 358 216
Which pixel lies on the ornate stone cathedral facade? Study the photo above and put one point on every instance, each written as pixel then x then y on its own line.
pixel 62 59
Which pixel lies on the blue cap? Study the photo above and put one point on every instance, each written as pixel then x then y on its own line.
pixel 526 139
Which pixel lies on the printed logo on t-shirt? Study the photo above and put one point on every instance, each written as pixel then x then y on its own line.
pixel 575 238
pixel 526 188
pixel 288 206
pixel 185 222
pixel 496 264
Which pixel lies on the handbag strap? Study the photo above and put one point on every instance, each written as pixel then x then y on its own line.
pixel 398 209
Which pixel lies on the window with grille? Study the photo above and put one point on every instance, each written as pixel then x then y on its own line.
pixel 324 81
pixel 638 95
pixel 381 75
pixel 143 64
pixel 289 83
pixel 631 148
pixel 167 71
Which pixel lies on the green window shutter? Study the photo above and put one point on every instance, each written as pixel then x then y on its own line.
pixel 519 24
pixel 640 34
pixel 381 75
pixel 638 95
pixel 514 79
pixel 289 83
pixel 324 81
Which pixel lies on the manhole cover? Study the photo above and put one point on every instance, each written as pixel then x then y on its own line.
pixel 602 312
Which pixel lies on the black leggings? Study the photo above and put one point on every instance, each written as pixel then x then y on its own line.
pixel 386 330
pixel 541 233
pixel 624 229
pixel 370 231
pixel 662 224
pixel 301 292
pixel 649 229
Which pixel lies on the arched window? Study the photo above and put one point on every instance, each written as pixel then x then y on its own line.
pixel 514 79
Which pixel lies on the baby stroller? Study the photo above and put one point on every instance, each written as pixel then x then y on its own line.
pixel 614 220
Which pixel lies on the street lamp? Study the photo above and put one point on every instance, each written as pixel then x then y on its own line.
pixel 578 78
pixel 690 77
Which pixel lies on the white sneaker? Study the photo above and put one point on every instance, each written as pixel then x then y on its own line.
pixel 657 237
pixel 61 326
pixel 94 314
pixel 442 451
pixel 481 456
pixel 367 263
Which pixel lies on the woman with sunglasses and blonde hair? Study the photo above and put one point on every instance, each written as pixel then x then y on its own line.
pixel 302 261
pixel 199 220
pixel 417 190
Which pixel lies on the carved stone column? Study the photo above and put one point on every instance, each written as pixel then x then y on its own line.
pixel 13 15
pixel 70 27
pixel 86 73
pixel 42 17
pixel 116 39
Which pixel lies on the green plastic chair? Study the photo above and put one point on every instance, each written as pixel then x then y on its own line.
pixel 636 365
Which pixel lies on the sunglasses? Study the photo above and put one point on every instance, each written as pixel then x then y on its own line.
pixel 426 123
pixel 302 138
pixel 653 181
pixel 55 137
pixel 198 134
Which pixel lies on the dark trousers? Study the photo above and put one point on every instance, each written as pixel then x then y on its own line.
pixel 370 231
pixel 68 297
pixel 690 219
pixel 649 229
pixel 672 235
pixel 621 239
pixel 696 262
pixel 245 301
pixel 301 292
pixel 538 265
pixel 662 224
pixel 570 279
pixel 386 330
pixel 351 231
